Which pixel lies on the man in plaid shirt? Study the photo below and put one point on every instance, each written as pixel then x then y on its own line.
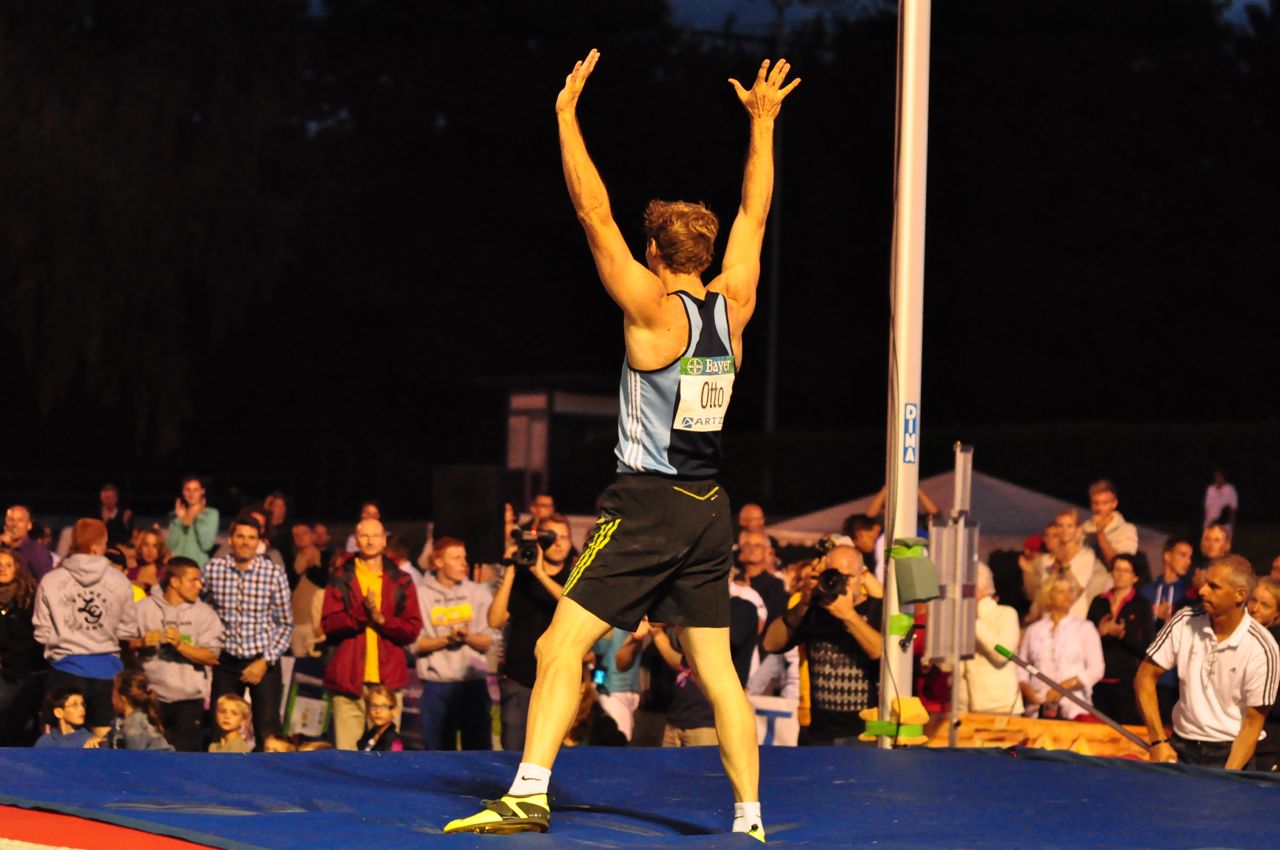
pixel 251 596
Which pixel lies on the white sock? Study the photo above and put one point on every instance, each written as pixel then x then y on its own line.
pixel 745 816
pixel 532 779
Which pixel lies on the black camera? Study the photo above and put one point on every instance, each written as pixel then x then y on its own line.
pixel 831 585
pixel 824 545
pixel 527 544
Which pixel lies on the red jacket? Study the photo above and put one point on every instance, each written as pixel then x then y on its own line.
pixel 344 622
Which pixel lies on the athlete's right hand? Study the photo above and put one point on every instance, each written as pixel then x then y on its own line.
pixel 567 100
pixel 764 99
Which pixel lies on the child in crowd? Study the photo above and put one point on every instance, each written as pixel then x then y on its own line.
pixel 278 744
pixel 312 746
pixel 138 707
pixel 64 710
pixel 231 717
pixel 380 734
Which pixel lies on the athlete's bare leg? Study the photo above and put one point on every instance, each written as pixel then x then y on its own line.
pixel 557 689
pixel 708 653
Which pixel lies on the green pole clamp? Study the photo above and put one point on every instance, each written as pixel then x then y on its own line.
pixel 900 624
pixel 909 547
pixel 889 729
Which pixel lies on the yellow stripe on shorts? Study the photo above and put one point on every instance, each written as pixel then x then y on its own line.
pixel 598 542
pixel 710 495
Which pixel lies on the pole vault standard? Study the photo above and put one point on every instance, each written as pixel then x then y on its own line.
pixel 906 327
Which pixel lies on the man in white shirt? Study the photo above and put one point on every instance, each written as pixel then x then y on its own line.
pixel 1228 671
pixel 1220 501
pixel 1071 555
pixel 1107 530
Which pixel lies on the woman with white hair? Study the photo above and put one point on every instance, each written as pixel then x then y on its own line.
pixel 1064 647
pixel 989 681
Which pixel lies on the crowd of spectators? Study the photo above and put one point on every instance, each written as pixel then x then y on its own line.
pixel 171 637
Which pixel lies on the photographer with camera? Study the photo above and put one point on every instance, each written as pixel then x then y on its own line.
pixel 834 618
pixel 524 603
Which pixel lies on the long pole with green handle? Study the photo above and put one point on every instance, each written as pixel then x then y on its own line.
pixel 1034 671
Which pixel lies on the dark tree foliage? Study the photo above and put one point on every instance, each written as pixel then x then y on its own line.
pixel 294 206
pixel 148 194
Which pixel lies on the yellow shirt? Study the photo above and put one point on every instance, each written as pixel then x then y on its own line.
pixel 369 580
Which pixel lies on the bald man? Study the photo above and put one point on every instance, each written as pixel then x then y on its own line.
pixel 371 612
pixel 16 535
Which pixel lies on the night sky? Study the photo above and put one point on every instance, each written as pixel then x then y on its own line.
pixel 314 244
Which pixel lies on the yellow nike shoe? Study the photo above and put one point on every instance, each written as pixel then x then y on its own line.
pixel 757 832
pixel 509 814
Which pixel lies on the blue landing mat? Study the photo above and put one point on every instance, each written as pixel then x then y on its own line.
pixel 639 798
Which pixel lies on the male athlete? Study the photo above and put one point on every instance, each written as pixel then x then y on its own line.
pixel 662 544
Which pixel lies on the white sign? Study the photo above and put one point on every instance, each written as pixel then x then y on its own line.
pixel 910 432
pixel 776 722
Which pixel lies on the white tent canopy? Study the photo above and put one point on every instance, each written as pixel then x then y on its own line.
pixel 1005 512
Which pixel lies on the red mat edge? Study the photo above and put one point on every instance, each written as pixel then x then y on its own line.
pixel 56 825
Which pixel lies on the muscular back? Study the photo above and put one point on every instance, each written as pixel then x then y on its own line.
pixel 654 344
pixel 654 326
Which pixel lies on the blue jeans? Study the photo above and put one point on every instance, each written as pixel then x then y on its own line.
pixel 1206 753
pixel 448 709
pixel 515 713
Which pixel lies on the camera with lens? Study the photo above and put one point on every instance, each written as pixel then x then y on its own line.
pixel 831 585
pixel 825 545
pixel 527 545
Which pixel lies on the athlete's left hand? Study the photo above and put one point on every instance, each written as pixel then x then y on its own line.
pixel 764 100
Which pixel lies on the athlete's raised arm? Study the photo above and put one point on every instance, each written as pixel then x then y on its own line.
pixel 635 289
pixel 740 271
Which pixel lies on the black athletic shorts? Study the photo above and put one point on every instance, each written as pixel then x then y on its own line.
pixel 661 547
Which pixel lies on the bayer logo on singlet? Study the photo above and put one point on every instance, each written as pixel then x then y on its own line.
pixel 694 366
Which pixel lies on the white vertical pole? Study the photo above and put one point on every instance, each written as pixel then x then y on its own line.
pixel 906 328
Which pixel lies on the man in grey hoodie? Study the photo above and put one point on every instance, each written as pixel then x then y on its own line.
pixel 181 640
pixel 451 653
pixel 83 611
